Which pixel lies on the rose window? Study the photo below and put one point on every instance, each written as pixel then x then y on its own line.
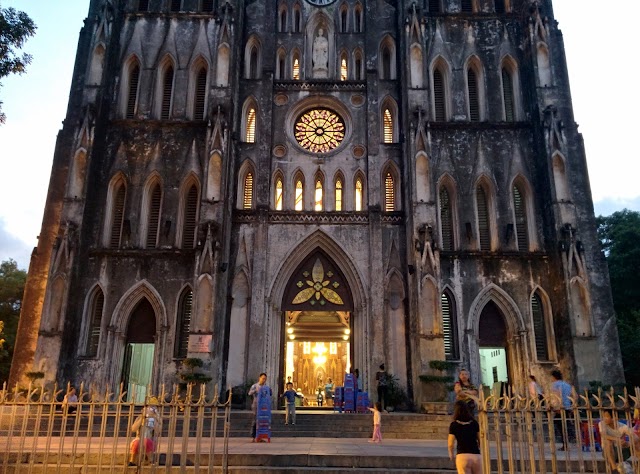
pixel 319 130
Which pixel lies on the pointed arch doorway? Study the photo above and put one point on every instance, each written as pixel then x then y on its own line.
pixel 137 370
pixel 492 344
pixel 317 308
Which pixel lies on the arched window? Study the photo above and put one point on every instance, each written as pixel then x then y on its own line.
pixel 282 20
pixel 280 65
pixel 520 211
pixel 295 66
pixel 389 193
pixel 278 196
pixel 200 94
pixel 96 309
pixel 357 14
pixel 344 28
pixel 153 216
pixel 297 19
pixel 338 194
pixel 446 220
pixel 435 6
pixel 386 62
pixel 344 72
pixel 252 58
pixel 449 326
pixel 119 196
pixel 474 99
pixel 298 204
pixel 132 90
pixel 247 194
pixel 508 97
pixel 439 94
pixel 358 70
pixel 167 92
pixel 466 6
pixel 359 194
pixel 484 223
pixel 250 125
pixel 183 323
pixel 143 5
pixel 253 63
pixel 387 125
pixel 317 201
pixel 190 215
pixel 175 5
pixel 539 328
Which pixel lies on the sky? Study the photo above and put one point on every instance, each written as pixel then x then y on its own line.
pixel 603 85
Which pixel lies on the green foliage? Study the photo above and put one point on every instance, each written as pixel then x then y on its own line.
pixel 33 376
pixel 12 282
pixel 447 379
pixel 15 28
pixel 442 365
pixel 190 376
pixel 192 363
pixel 620 234
pixel 396 396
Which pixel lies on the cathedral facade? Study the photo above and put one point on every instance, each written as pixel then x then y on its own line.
pixel 305 187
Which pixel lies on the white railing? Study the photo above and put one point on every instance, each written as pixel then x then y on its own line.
pixel 172 430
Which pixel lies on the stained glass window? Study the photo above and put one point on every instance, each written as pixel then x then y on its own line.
pixel 319 130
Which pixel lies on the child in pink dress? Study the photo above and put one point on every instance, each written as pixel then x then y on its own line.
pixel 377 423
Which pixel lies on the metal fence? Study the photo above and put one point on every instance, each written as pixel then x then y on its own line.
pixel 40 431
pixel 527 435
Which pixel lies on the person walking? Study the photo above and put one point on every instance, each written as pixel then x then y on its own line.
pixel 290 403
pixel 381 382
pixel 376 437
pixel 464 433
pixel 535 391
pixel 465 390
pixel 562 393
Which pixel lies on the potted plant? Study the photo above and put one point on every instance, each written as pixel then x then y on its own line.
pixel 396 396
pixel 190 376
pixel 437 386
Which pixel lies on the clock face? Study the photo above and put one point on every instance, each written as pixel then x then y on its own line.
pixel 321 3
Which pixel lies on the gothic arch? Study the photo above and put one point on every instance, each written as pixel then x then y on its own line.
pixel 446 182
pixel 509 69
pixel 128 302
pixel 489 188
pixel 316 21
pixel 389 117
pixel 525 188
pixel 359 177
pixel 146 211
pixel 249 124
pixel 440 90
pixel 475 99
pixel 278 194
pixel 253 58
pixel 549 326
pixel 338 193
pixel 198 88
pixel 130 86
pixel 387 58
pixel 390 168
pixel 186 227
pixel 118 180
pixel 164 95
pixel 87 316
pixel 97 65
pixel 247 167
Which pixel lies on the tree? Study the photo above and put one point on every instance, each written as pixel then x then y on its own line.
pixel 12 282
pixel 620 234
pixel 15 28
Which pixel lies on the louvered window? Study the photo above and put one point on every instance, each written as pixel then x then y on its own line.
pixel 207 5
pixel 154 217
pixel 338 195
pixel 387 124
pixel 446 220
pixel 278 196
pixel 296 69
pixel 283 21
pixel 467 6
pixel 484 231
pixel 247 197
pixel 183 324
pixel 539 328
pixel 474 101
pixel 167 90
pixel 132 96
pixel 343 21
pixel 439 96
pixel 434 6
pixel 253 63
pixel 449 327
pixel 190 212
pixel 175 5
pixel 389 194
pixel 250 131
pixel 359 194
pixel 500 6
pixel 386 63
pixel 507 94
pixel 143 5
pixel 318 196
pixel 522 230
pixel 298 205
pixel 95 325
pixel 117 217
pixel 343 69
pixel 201 91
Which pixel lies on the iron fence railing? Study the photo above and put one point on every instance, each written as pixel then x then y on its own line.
pixel 104 432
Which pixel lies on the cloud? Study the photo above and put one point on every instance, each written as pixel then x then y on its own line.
pixel 12 247
pixel 607 206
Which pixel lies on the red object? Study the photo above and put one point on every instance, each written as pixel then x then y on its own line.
pixel 586 438
pixel 135 445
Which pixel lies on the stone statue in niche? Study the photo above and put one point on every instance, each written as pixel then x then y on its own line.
pixel 320 55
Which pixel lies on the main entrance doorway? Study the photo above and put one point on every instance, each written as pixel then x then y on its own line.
pixel 137 369
pixel 317 349
pixel 494 364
